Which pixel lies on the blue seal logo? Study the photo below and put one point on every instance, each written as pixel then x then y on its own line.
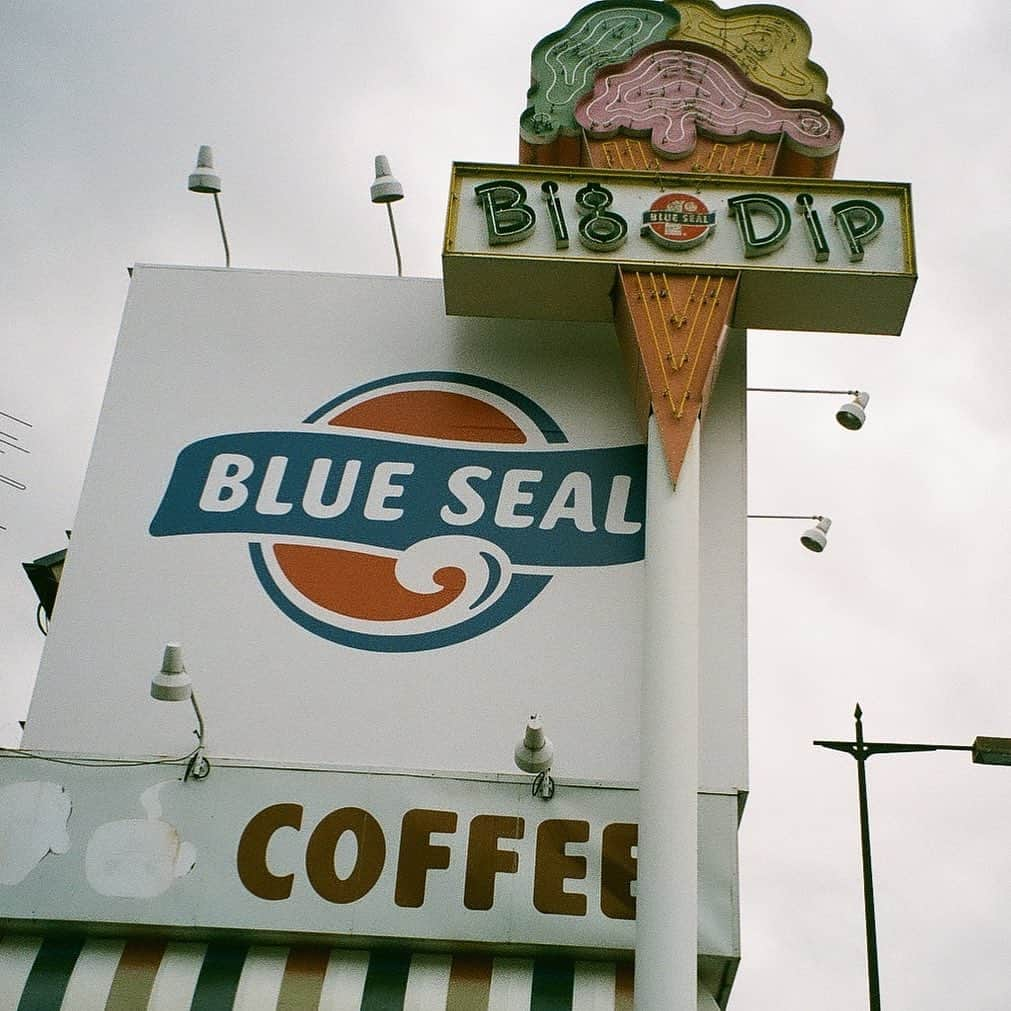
pixel 414 512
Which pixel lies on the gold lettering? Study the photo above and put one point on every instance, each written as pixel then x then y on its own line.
pixel 322 849
pixel 618 871
pixel 485 859
pixel 251 856
pixel 553 866
pixel 418 855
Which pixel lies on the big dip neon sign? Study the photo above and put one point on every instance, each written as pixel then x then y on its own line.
pixel 676 221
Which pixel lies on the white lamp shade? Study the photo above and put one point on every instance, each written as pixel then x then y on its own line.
pixel 172 683
pixel 535 752
pixel 203 179
pixel 815 539
pixel 386 188
pixel 853 414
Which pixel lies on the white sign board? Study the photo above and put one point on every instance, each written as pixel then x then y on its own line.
pixel 382 536
pixel 812 254
pixel 341 856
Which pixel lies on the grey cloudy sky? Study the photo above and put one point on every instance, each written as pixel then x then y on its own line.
pixel 103 106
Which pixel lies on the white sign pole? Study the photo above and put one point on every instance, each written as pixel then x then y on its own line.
pixel 667 900
pixel 723 544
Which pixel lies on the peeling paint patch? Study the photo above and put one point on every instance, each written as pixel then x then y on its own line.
pixel 33 824
pixel 138 858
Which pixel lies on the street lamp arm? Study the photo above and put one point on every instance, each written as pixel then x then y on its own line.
pixel 868 748
pixel 848 746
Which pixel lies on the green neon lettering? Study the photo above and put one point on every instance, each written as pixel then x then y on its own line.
pixel 744 208
pixel 506 213
pixel 549 190
pixel 858 222
pixel 600 230
pixel 819 246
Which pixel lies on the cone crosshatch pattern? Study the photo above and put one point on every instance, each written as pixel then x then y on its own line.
pixel 725 92
pixel 669 329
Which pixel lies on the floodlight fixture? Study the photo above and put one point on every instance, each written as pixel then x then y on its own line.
pixel 387 189
pixel 814 539
pixel 173 684
pixel 203 179
pixel 535 753
pixel 44 574
pixel 851 415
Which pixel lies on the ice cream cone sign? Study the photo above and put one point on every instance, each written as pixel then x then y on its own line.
pixel 684 157
pixel 683 106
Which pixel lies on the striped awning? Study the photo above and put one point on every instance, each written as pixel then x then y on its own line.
pixel 99 974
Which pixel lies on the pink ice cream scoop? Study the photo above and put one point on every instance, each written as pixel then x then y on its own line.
pixel 672 93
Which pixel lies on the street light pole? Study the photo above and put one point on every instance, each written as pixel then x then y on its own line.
pixel 861 750
pixel 873 982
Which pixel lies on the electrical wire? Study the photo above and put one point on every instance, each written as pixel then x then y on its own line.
pixel 110 763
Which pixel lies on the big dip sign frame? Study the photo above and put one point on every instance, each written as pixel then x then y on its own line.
pixel 812 254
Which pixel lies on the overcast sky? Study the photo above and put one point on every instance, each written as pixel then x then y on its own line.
pixel 907 611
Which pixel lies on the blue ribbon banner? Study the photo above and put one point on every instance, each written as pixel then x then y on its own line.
pixel 553 507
